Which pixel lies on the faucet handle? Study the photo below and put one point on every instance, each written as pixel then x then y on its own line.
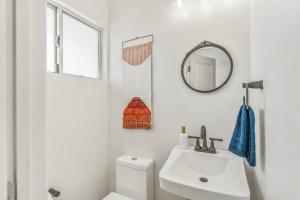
pixel 216 139
pixel 194 137
pixel 212 148
pixel 197 146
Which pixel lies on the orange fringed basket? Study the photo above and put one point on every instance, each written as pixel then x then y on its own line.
pixel 136 115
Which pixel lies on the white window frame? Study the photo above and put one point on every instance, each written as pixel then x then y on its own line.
pixel 60 9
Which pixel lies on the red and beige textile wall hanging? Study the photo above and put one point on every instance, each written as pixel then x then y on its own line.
pixel 137 83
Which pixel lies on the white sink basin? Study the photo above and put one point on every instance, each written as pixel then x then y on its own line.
pixel 225 174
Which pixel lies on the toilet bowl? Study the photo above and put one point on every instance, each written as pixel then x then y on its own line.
pixel 134 179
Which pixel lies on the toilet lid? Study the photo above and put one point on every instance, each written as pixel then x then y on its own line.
pixel 115 196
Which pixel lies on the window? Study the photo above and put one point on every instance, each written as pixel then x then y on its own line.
pixel 73 44
pixel 51 34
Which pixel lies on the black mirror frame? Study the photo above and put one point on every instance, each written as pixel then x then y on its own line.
pixel 202 45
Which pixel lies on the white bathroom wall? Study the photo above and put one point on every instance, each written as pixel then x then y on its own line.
pixel 77 128
pixel 275 47
pixel 77 123
pixel 176 30
pixel 30 87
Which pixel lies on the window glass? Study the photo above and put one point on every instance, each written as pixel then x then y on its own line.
pixel 80 48
pixel 51 34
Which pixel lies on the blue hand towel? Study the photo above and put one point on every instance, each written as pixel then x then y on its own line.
pixel 251 153
pixel 243 138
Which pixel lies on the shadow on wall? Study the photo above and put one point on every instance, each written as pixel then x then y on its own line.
pixel 255 188
pixel 262 135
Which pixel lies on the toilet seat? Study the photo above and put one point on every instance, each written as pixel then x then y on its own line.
pixel 115 196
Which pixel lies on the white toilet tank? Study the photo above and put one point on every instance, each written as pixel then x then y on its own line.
pixel 134 177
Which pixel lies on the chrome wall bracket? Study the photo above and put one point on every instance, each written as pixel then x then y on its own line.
pixel 252 85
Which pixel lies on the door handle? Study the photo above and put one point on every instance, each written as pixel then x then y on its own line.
pixel 54 193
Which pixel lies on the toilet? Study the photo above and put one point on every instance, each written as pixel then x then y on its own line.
pixel 134 179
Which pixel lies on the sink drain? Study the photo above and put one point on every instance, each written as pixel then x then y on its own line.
pixel 134 158
pixel 204 180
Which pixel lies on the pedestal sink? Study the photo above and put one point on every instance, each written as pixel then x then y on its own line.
pixel 203 176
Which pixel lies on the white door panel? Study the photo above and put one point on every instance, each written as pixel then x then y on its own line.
pixel 202 72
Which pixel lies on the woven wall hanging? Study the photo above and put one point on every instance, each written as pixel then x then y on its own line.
pixel 137 82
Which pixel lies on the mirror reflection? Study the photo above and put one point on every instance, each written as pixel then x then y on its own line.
pixel 207 68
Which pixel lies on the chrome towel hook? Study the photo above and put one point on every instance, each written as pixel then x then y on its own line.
pixel 251 85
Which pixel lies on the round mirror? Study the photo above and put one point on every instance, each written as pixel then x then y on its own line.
pixel 207 67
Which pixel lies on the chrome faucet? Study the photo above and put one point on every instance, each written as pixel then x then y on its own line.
pixel 203 137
